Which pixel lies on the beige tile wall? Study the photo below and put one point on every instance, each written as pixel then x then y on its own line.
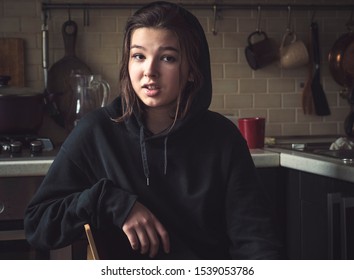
pixel 270 92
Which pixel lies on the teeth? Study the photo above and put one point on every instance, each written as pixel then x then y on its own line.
pixel 151 87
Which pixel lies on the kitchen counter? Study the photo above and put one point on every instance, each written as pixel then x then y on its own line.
pixel 22 168
pixel 39 167
pixel 315 164
pixel 263 158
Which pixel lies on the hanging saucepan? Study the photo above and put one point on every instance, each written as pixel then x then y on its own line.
pixel 341 66
pixel 341 60
pixel 21 109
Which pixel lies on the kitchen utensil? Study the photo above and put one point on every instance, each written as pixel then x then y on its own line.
pixel 293 53
pixel 50 104
pixel 21 109
pixel 261 53
pixel 341 66
pixel 91 92
pixel 307 100
pixel 253 130
pixel 341 59
pixel 318 94
pixel 12 60
pixel 58 87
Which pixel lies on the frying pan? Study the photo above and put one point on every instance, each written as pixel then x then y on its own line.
pixel 58 85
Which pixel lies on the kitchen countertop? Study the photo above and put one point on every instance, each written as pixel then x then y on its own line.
pixel 22 168
pixel 315 164
pixel 40 166
pixel 263 158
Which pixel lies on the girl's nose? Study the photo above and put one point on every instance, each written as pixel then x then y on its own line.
pixel 151 69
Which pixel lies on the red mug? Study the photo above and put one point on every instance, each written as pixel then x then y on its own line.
pixel 253 130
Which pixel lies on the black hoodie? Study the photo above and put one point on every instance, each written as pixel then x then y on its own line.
pixel 198 179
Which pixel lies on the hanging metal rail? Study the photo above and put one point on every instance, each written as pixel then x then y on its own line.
pixel 216 7
pixel 53 6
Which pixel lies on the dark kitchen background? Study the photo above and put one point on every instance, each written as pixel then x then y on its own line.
pixel 306 187
pixel 239 91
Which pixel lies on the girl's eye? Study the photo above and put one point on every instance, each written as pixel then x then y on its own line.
pixel 168 58
pixel 138 56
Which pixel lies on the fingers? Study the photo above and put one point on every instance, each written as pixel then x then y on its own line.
pixel 132 237
pixel 153 242
pixel 165 238
pixel 144 231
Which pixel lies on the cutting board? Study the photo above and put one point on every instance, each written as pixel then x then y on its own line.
pixel 12 60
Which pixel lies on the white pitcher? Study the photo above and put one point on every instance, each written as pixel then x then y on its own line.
pixel 91 91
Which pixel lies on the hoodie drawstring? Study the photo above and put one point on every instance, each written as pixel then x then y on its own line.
pixel 165 155
pixel 144 156
pixel 145 159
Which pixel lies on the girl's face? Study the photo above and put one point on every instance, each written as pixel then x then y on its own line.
pixel 156 68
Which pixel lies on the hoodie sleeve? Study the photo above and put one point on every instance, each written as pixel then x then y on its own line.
pixel 72 195
pixel 249 220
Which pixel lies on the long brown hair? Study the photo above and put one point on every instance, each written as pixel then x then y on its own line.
pixel 171 17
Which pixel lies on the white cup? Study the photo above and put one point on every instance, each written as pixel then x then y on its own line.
pixel 293 54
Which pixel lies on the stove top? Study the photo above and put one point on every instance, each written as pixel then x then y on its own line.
pixel 24 147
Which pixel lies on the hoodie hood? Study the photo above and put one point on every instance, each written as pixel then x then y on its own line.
pixel 202 97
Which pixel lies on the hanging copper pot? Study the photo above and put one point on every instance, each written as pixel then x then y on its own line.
pixel 341 66
pixel 341 60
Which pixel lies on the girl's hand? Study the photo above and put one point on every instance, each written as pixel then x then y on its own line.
pixel 145 231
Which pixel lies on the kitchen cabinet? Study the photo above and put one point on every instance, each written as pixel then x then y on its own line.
pixel 316 227
pixel 273 181
pixel 15 194
pixel 299 192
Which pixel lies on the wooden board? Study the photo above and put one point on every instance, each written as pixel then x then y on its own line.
pixel 12 60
